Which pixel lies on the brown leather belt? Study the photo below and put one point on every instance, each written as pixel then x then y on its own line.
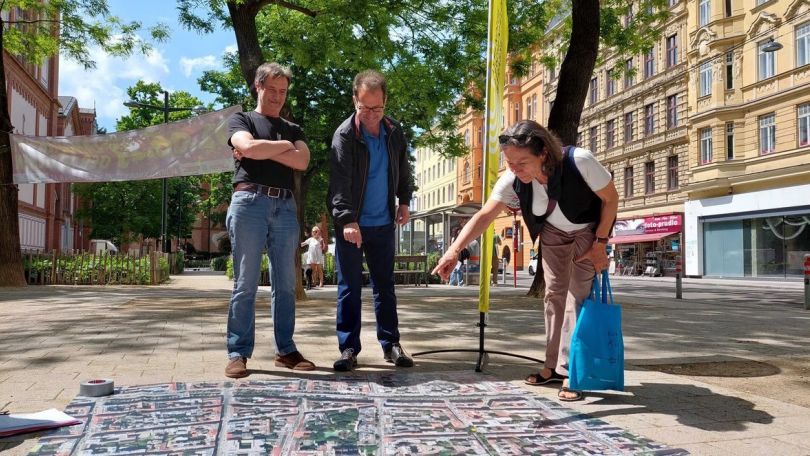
pixel 272 192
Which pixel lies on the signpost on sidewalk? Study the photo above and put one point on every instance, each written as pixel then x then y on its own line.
pixel 807 282
pixel 678 283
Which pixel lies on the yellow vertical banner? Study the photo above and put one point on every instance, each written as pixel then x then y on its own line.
pixel 497 40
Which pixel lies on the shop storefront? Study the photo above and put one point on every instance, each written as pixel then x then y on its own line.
pixel 646 246
pixel 759 234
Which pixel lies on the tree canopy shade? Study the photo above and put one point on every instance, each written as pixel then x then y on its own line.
pixel 41 29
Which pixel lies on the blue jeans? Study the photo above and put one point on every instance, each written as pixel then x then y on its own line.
pixel 378 246
pixel 254 222
pixel 457 276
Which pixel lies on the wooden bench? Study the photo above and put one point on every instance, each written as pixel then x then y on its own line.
pixel 411 268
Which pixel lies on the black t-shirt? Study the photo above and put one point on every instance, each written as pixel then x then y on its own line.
pixel 265 172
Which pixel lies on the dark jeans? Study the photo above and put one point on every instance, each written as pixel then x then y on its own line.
pixel 379 246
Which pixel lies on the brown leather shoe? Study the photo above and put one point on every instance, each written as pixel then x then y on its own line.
pixel 236 368
pixel 294 361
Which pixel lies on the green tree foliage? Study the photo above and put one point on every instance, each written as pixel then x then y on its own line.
pixel 127 211
pixel 41 30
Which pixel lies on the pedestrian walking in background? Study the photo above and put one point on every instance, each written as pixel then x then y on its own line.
pixel 314 257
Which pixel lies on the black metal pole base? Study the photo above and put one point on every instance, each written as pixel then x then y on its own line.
pixel 483 354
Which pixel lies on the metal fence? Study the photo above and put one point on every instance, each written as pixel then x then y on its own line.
pixel 87 268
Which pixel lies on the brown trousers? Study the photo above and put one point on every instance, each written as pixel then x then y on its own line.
pixel 567 285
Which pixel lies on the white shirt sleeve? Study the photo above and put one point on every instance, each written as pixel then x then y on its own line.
pixel 595 175
pixel 504 192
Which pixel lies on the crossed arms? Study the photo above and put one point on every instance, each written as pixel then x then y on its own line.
pixel 295 155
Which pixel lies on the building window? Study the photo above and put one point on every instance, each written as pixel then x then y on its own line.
pixel 767 134
pixel 729 70
pixel 629 75
pixel 703 12
pixel 649 63
pixel 534 106
pixel 705 146
pixel 728 8
pixel 593 135
pixel 730 141
pixel 579 139
pixel 480 136
pixel 672 50
pixel 628 182
pixel 467 138
pixel 649 119
pixel 610 83
pixel 804 124
pixel 649 177
pixel 529 114
pixel 672 172
pixel 803 44
pixel 610 134
pixel 672 111
pixel 766 61
pixel 517 111
pixel 672 3
pixel 629 127
pixel 594 90
pixel 466 172
pixel 705 88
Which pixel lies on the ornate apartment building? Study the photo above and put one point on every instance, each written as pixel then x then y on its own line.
pixel 636 122
pixel 748 213
pixel 707 136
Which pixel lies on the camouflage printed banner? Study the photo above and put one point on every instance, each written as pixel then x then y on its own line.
pixel 184 148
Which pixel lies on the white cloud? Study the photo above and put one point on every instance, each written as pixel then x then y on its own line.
pixel 104 87
pixel 190 65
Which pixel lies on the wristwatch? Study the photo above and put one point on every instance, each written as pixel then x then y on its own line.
pixel 602 240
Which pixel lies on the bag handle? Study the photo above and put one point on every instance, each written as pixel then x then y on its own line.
pixel 596 291
pixel 607 290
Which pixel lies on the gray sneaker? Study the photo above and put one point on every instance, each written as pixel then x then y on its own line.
pixel 346 362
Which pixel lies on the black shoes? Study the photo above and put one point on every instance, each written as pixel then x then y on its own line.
pixel 398 356
pixel 347 361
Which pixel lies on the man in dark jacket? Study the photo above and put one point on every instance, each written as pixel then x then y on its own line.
pixel 369 190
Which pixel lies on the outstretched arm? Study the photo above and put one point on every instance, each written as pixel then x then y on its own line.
pixel 477 224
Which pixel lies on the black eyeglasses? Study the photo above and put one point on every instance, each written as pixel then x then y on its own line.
pixel 520 139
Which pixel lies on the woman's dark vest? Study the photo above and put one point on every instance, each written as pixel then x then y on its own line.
pixel 567 189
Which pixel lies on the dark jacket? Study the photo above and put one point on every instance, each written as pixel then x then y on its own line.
pixel 349 170
pixel 567 189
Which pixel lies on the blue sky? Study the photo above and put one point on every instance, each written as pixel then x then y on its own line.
pixel 175 64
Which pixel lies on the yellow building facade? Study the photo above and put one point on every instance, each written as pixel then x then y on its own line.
pixel 748 213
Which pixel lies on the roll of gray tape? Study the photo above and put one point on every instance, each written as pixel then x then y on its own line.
pixel 96 388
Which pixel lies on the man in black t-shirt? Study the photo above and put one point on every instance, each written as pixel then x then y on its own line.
pixel 266 149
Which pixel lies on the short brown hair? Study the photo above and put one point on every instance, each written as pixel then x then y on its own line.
pixel 530 134
pixel 371 80
pixel 272 69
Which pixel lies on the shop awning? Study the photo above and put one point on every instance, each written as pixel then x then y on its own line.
pixel 633 238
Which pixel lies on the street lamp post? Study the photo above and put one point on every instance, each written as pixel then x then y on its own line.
pixel 164 238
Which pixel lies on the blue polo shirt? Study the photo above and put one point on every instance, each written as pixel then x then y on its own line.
pixel 375 198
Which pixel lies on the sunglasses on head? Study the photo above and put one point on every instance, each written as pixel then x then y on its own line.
pixel 520 139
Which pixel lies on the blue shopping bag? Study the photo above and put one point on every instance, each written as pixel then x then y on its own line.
pixel 596 361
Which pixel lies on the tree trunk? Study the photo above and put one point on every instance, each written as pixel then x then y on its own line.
pixel 243 17
pixel 11 267
pixel 572 89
